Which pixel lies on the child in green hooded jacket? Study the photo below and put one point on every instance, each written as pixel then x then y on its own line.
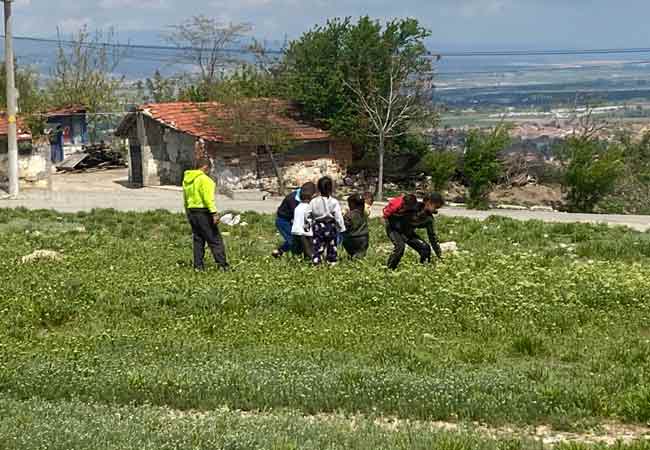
pixel 198 196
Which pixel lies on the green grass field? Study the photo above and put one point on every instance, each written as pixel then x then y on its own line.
pixel 121 345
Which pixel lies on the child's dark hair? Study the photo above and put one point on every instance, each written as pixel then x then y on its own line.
pixel 434 198
pixel 368 196
pixel 203 162
pixel 356 202
pixel 307 191
pixel 325 186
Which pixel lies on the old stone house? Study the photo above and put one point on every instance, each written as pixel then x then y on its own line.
pixel 166 138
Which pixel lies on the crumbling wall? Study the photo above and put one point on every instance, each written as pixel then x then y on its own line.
pixel 233 167
pixel 32 161
pixel 166 153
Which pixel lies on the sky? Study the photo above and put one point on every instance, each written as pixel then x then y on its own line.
pixel 455 24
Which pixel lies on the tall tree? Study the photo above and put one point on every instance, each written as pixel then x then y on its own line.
pixel 85 74
pixel 313 76
pixel 389 71
pixel 204 42
pixel 365 81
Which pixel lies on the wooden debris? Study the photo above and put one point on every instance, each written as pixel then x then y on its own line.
pixel 93 158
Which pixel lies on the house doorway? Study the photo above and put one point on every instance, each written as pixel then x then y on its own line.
pixel 137 177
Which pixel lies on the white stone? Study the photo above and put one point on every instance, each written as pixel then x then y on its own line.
pixel 512 207
pixel 449 247
pixel 542 208
pixel 42 255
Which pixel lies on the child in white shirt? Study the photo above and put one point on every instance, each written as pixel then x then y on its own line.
pixel 328 223
pixel 301 230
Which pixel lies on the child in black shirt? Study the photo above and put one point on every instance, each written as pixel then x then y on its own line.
pixel 356 237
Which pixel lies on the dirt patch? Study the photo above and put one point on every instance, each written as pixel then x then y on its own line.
pixel 608 433
pixel 529 195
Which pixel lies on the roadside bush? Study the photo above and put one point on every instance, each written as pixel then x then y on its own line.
pixel 592 170
pixel 441 167
pixel 632 192
pixel 482 167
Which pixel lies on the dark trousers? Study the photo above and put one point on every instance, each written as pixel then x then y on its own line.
pixel 303 246
pixel 400 240
pixel 204 230
pixel 284 228
pixel 325 240
pixel 357 246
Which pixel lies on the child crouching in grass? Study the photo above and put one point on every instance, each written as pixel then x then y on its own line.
pixel 328 222
pixel 301 229
pixel 356 237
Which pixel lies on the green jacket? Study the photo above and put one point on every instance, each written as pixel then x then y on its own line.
pixel 198 191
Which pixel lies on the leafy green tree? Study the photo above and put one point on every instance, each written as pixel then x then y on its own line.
pixel 31 97
pixel 313 76
pixel 636 155
pixel 31 100
pixel 482 166
pixel 389 71
pixel 592 170
pixel 441 166
pixel 365 81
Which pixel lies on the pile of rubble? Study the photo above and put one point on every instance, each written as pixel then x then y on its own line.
pixel 93 157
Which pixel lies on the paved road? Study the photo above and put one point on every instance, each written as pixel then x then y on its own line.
pixel 84 192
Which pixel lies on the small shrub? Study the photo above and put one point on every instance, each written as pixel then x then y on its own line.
pixel 592 170
pixel 481 164
pixel 441 167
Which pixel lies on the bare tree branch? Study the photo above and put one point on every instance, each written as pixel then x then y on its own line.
pixel 204 41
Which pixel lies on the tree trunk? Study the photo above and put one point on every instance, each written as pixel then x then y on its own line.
pixel 380 180
pixel 276 169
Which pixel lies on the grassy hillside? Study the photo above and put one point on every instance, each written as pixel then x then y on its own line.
pixel 121 344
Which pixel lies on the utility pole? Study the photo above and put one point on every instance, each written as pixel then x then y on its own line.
pixel 12 106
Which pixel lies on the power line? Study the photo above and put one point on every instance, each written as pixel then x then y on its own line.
pixel 443 54
pixel 135 46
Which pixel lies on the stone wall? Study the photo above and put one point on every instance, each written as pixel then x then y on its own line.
pixel 166 153
pixel 32 161
pixel 233 167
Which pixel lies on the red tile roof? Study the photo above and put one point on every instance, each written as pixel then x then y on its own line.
pixel 24 134
pixel 201 119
